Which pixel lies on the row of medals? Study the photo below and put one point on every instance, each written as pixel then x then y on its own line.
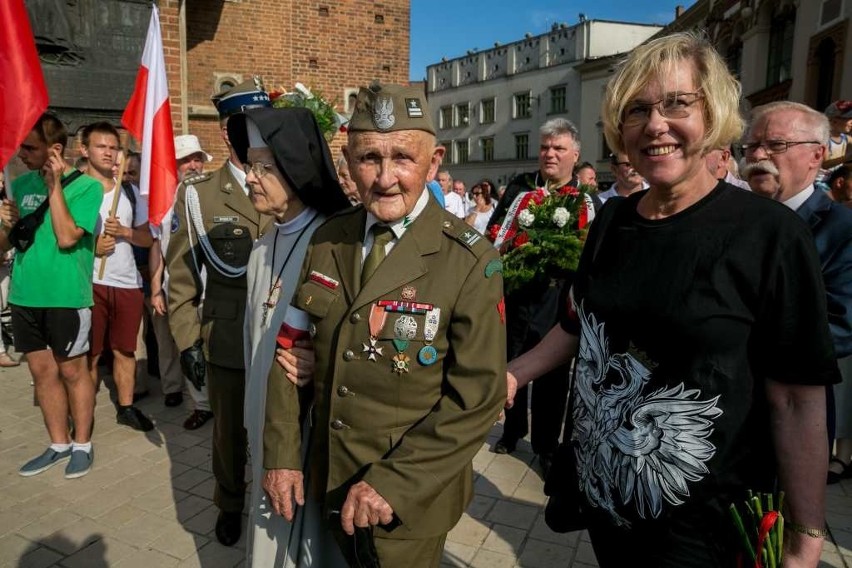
pixel 404 330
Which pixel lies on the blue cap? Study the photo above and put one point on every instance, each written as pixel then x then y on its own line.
pixel 246 95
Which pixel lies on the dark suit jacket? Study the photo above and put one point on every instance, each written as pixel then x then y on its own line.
pixel 831 225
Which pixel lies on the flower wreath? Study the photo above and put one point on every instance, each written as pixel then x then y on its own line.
pixel 542 234
pixel 328 119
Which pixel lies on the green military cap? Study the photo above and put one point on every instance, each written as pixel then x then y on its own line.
pixel 246 95
pixel 387 108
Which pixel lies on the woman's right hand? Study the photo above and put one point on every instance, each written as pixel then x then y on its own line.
pixel 511 389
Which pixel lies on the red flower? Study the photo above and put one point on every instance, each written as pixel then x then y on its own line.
pixel 569 190
pixel 492 231
pixel 583 219
pixel 538 198
pixel 521 239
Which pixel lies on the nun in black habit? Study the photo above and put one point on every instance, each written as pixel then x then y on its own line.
pixel 290 175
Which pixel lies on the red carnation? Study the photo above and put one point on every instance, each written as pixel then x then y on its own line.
pixel 569 190
pixel 521 239
pixel 492 232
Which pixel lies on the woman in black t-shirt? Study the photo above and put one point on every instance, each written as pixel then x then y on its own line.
pixel 698 320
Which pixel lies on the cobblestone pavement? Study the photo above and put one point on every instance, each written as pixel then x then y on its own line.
pixel 147 502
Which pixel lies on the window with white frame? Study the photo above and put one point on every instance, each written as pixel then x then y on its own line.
pixel 831 11
pixel 486 111
pixel 446 117
pixel 521 105
pixel 462 114
pixel 462 152
pixel 522 146
pixel 487 149
pixel 558 96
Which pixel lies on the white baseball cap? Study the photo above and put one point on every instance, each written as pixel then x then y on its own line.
pixel 188 144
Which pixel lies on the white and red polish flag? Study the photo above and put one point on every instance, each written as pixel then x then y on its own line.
pixel 148 117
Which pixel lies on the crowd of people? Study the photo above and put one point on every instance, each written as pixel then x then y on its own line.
pixel 696 354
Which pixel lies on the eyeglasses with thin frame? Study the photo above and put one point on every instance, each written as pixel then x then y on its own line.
pixel 477 193
pixel 259 169
pixel 673 105
pixel 772 147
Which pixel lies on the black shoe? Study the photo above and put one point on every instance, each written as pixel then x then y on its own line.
pixel 131 416
pixel 137 396
pixel 229 527
pixel 197 419
pixel 174 399
pixel 505 446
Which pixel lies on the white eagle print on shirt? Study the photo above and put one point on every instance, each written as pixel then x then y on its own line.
pixel 635 447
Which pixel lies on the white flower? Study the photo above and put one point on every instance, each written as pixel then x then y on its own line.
pixel 525 218
pixel 561 216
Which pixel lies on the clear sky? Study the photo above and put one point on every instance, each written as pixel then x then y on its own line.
pixel 448 28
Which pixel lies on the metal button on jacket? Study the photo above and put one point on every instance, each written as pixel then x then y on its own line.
pixel 342 390
pixel 355 318
pixel 338 425
pixel 348 355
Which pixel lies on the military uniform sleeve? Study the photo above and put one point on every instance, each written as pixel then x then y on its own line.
pixel 282 434
pixel 185 285
pixel 439 447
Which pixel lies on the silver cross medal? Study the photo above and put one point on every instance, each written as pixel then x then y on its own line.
pixel 372 349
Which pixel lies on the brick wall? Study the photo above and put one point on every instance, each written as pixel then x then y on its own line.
pixel 329 46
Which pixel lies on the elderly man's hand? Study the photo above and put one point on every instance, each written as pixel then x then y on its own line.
pixel 283 486
pixel 511 389
pixel 298 363
pixel 364 507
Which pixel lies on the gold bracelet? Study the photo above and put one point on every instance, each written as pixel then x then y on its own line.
pixel 809 531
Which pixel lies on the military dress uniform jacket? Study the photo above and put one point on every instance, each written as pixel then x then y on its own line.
pixel 232 225
pixel 410 435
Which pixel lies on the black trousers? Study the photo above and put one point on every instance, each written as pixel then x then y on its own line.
pixel 683 543
pixel 227 391
pixel 530 314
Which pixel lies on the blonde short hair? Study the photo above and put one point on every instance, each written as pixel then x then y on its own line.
pixel 654 60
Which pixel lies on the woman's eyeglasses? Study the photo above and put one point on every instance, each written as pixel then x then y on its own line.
pixel 673 105
pixel 259 169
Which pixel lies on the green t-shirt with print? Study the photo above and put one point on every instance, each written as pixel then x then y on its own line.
pixel 46 276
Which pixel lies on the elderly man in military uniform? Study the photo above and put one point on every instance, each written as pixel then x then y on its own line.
pixel 405 308
pixel 213 228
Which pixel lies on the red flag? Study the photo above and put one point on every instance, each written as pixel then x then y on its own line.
pixel 148 117
pixel 23 95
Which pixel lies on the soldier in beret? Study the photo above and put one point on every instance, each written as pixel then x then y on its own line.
pixel 405 310
pixel 214 227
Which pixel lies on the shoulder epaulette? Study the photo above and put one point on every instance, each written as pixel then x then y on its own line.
pixel 460 231
pixel 198 178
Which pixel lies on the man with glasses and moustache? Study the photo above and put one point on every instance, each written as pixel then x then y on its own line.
pixel 783 150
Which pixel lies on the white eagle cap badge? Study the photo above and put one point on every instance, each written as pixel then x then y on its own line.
pixel 383 116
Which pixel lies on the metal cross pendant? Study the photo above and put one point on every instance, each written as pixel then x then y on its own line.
pixel 372 349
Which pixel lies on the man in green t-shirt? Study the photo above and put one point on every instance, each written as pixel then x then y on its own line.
pixel 51 293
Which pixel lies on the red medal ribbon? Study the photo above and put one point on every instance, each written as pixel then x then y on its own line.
pixel 377 320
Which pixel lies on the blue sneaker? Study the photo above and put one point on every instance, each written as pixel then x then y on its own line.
pixel 80 464
pixel 44 462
